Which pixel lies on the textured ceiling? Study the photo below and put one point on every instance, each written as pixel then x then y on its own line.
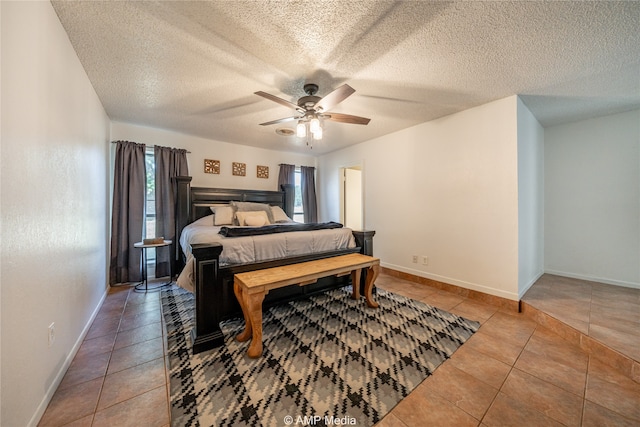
pixel 193 66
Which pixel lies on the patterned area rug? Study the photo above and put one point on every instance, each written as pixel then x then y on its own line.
pixel 327 360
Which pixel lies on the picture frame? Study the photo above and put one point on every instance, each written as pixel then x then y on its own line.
pixel 212 166
pixel 262 172
pixel 239 169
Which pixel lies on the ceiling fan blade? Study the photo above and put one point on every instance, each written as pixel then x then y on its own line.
pixel 279 100
pixel 346 118
pixel 273 122
pixel 334 98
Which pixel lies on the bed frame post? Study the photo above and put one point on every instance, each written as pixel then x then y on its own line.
pixel 364 239
pixel 206 333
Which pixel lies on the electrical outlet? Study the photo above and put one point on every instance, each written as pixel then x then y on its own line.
pixel 415 259
pixel 52 333
pixel 425 260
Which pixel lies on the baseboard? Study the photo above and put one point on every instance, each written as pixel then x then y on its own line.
pixel 529 285
pixel 594 279
pixel 502 302
pixel 42 407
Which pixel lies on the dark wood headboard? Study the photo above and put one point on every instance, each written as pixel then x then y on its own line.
pixel 193 203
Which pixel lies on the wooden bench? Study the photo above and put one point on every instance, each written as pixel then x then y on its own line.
pixel 251 287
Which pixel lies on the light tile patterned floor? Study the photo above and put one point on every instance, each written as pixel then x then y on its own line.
pixel 512 372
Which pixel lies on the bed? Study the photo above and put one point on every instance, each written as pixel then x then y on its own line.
pixel 207 261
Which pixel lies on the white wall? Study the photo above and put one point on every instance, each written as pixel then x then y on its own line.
pixel 592 199
pixel 54 207
pixel 530 199
pixel 227 153
pixel 447 189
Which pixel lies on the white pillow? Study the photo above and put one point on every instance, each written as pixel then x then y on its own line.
pixel 205 220
pixel 279 215
pixel 223 215
pixel 253 207
pixel 255 220
pixel 252 219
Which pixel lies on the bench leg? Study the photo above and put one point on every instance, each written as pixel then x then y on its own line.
pixel 355 283
pixel 372 274
pixel 251 305
pixel 253 302
pixel 246 334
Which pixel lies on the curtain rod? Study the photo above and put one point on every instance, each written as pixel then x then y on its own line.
pixel 147 146
pixel 286 164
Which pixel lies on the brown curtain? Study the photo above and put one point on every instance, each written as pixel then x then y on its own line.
pixel 287 175
pixel 129 186
pixel 308 184
pixel 170 162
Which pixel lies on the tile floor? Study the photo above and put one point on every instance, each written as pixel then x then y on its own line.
pixel 607 313
pixel 512 372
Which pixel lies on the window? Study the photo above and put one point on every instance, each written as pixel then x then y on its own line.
pixel 150 204
pixel 298 211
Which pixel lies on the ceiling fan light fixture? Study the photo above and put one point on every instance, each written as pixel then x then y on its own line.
pixel 311 108
pixel 301 129
pixel 314 125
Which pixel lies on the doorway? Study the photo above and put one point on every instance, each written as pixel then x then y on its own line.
pixel 351 206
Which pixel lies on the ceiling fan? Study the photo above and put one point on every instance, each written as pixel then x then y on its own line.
pixel 311 109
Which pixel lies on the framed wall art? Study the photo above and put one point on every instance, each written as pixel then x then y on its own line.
pixel 263 172
pixel 239 169
pixel 212 166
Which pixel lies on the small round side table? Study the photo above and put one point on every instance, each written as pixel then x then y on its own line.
pixel 144 246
